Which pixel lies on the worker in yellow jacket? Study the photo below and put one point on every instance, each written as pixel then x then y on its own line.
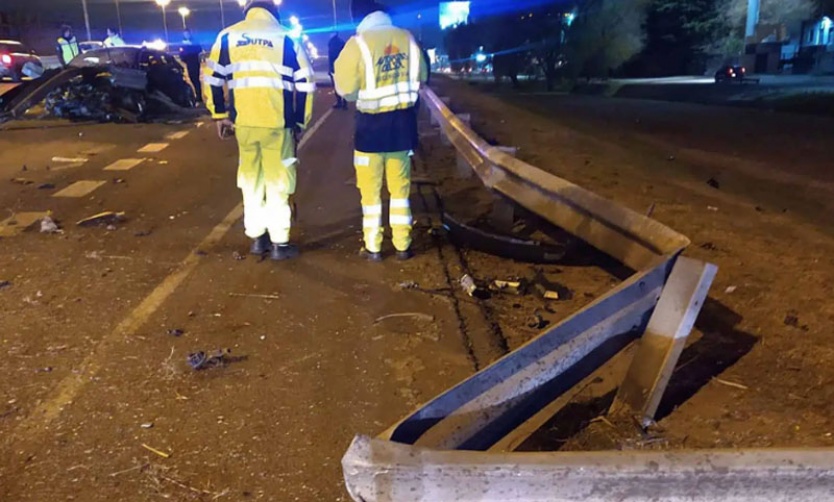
pixel 381 68
pixel 67 46
pixel 270 102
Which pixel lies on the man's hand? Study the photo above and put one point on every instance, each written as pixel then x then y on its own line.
pixel 225 128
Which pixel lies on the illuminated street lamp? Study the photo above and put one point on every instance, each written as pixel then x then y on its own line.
pixel 163 4
pixel 184 12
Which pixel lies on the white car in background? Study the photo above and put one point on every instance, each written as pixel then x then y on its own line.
pixel 16 61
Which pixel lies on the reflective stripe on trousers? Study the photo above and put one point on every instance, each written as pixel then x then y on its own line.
pixel 396 168
pixel 266 178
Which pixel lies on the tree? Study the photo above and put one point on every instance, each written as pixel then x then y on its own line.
pixel 676 33
pixel 605 35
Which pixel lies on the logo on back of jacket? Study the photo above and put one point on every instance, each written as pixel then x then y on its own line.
pixel 393 59
pixel 247 40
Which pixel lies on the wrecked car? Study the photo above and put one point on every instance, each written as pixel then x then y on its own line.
pixel 118 84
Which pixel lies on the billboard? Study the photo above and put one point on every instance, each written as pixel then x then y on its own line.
pixel 453 14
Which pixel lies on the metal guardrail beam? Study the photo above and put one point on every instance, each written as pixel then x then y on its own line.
pixel 382 471
pixel 626 235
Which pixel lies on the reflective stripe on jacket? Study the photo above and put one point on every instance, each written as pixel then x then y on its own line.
pixel 67 49
pixel 269 78
pixel 382 69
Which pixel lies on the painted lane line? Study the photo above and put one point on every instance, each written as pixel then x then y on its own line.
pixel 153 148
pixel 68 389
pixel 124 164
pixel 18 223
pixel 177 135
pixel 80 188
pixel 70 160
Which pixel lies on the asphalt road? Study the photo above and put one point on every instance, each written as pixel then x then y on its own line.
pixel 97 400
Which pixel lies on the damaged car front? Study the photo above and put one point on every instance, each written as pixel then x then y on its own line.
pixel 120 84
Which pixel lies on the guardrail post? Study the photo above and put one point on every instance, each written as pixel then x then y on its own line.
pixel 660 347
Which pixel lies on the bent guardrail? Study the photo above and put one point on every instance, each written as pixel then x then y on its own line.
pixel 663 296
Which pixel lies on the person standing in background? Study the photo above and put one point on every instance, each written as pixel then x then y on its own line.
pixel 190 55
pixel 67 46
pixel 113 39
pixel 334 48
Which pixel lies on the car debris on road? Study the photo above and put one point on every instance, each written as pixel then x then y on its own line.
pixel 106 218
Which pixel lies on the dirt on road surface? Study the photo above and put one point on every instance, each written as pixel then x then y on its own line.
pixel 753 190
pixel 98 400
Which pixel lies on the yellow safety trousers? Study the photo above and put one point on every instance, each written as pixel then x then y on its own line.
pixel 395 167
pixel 267 177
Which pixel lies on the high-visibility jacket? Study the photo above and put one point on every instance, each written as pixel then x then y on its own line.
pixel 382 69
pixel 268 76
pixel 67 49
pixel 114 41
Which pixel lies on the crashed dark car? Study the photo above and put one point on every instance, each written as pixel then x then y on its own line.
pixel 118 84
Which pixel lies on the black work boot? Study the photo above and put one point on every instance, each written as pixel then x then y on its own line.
pixel 261 245
pixel 405 255
pixel 370 256
pixel 281 252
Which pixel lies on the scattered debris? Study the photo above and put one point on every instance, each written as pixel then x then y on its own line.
pixel 714 183
pixel 143 233
pixel 709 246
pixel 550 290
pixel 416 315
pixel 200 360
pixel 200 252
pixel 237 256
pixel 24 169
pixel 118 181
pixel 177 332
pixel 147 425
pixel 154 450
pixel 21 181
pixel 650 211
pixel 46 186
pixel 712 208
pixel 263 297
pixel 670 158
pixel 792 320
pixel 47 369
pixel 162 162
pixel 408 285
pixel 105 218
pixel 759 209
pixel 49 226
pixel 730 384
pixel 111 227
pixel 468 285
pixel 731 289
pixel 536 321
pixel 517 287
pixel 5 284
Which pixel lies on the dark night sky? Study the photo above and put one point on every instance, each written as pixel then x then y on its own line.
pixel 142 19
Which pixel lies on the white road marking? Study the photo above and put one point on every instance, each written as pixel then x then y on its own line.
pixel 177 135
pixel 153 148
pixel 124 164
pixel 70 160
pixel 80 188
pixel 70 387
pixel 19 223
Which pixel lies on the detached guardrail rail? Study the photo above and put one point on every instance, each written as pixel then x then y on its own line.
pixel 440 453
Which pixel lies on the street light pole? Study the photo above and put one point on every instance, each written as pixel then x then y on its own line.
pixel 222 15
pixel 86 19
pixel 163 4
pixel 335 21
pixel 184 12
pixel 119 18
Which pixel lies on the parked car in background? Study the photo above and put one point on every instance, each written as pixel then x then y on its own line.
pixel 90 45
pixel 17 61
pixel 730 73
